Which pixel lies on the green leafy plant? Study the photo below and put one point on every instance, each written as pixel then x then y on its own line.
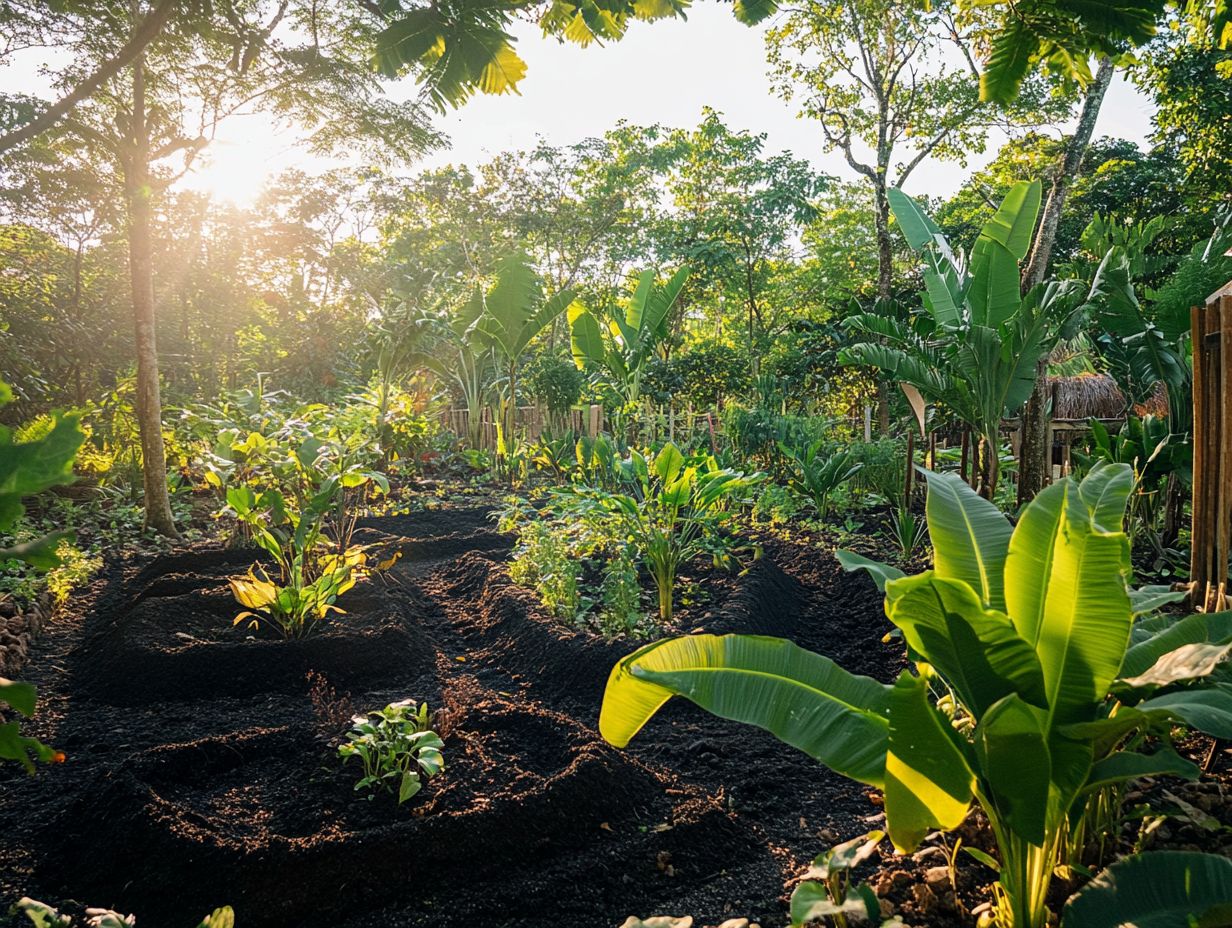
pixel 544 560
pixel 908 530
pixel 1024 636
pixel 621 595
pixel 827 891
pixel 975 348
pixel 673 511
pixel 26 468
pixel 397 748
pixel 43 915
pixel 620 346
pixel 815 474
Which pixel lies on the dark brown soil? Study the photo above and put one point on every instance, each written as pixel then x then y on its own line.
pixel 201 770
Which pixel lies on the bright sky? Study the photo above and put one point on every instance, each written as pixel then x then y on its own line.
pixel 663 72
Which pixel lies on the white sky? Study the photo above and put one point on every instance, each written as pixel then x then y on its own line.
pixel 661 72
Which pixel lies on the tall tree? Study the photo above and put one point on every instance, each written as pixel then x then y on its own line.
pixel 898 81
pixel 295 58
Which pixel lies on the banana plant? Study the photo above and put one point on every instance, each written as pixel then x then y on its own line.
pixel 815 476
pixel 673 510
pixel 514 310
pixel 619 348
pixel 1029 691
pixel 976 346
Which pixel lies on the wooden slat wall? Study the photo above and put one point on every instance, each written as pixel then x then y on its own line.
pixel 1211 537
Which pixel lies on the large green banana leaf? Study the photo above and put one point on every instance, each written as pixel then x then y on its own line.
pixel 1066 593
pixel 970 537
pixel 928 783
pixel 1161 889
pixel 802 698
pixel 977 649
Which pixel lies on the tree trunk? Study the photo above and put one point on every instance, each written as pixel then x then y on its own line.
pixel 885 285
pixel 149 402
pixel 1034 461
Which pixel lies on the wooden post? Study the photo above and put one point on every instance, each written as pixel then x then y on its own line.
pixel 1211 536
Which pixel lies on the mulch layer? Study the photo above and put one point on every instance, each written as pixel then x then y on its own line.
pixel 202 766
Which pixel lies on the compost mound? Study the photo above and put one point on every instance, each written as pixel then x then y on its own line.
pixel 175 638
pixel 270 817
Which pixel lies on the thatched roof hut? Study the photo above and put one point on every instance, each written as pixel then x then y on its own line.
pixel 1086 396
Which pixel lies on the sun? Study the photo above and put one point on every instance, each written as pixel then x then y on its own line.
pixel 235 167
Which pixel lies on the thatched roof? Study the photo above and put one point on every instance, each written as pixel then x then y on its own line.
pixel 1086 396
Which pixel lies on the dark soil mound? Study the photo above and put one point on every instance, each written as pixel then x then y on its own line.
pixel 203 769
pixel 175 638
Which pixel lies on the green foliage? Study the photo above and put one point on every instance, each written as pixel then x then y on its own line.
pixel 1025 629
pixel 556 383
pixel 976 346
pixel 621 594
pixel 27 468
pixel 673 510
pixel 43 915
pixel 1161 888
pixel 907 530
pixel 620 345
pixel 828 892
pixel 304 523
pixel 396 747
pixel 544 561
pixel 817 472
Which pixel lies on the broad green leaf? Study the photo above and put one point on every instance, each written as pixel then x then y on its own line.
pixel 1013 225
pixel 845 856
pixel 881 573
pixel 1148 599
pixel 928 783
pixel 1105 490
pixel 21 696
pixel 636 308
pixel 1129 765
pixel 1066 594
pixel 668 463
pixel 970 537
pixel 1160 889
pixel 1008 734
pixel 811 901
pixel 918 228
pixel 1202 627
pixel 1188 662
pixel 802 698
pixel 995 291
pixel 1208 709
pixel 977 650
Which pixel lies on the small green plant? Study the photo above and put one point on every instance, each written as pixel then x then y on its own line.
pixel 815 475
pixel 544 561
pixel 621 613
pixel 43 915
pixel 828 892
pixel 908 530
pixel 397 748
pixel 675 510
pixel 311 575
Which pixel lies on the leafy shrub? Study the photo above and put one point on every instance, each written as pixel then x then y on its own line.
pixel 815 473
pixel 544 561
pixel 556 383
pixel 1029 633
pixel 621 595
pixel 673 511
pixel 397 748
